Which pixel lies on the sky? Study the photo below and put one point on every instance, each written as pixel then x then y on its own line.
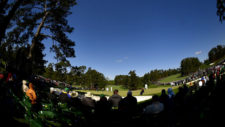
pixel 116 36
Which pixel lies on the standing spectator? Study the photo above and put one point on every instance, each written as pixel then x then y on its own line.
pixel 115 99
pixel 164 98
pixel 102 107
pixel 128 105
pixel 170 93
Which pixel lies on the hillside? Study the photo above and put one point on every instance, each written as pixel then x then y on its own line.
pixel 172 78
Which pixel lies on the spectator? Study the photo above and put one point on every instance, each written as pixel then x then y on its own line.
pixel 200 83
pixel 102 107
pixel 24 86
pixel 164 98
pixel 52 96
pixel 115 99
pixel 170 93
pixel 88 106
pixel 9 78
pixel 155 108
pixel 88 101
pixel 64 97
pixel 128 105
pixel 179 98
pixel 186 89
pixel 1 76
pixel 31 94
pixel 73 94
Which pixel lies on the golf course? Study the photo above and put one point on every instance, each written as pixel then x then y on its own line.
pixel 154 89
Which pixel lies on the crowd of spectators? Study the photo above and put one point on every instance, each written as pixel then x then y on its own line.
pixel 199 103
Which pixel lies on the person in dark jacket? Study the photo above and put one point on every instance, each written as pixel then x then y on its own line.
pixel 102 108
pixel 128 105
pixel 64 97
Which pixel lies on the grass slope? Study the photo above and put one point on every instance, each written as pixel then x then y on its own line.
pixel 172 78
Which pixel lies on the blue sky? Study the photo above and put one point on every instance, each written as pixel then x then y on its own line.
pixel 116 36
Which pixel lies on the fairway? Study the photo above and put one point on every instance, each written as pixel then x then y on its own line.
pixel 172 78
pixel 123 92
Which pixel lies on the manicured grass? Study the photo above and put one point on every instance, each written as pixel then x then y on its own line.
pixel 123 92
pixel 172 78
pixel 119 87
pixel 204 66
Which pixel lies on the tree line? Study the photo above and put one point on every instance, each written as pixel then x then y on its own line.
pixel 74 75
pixel 132 81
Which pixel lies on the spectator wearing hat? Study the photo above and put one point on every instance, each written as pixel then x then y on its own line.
pixel 73 94
pixel 88 105
pixel 88 101
pixel 64 97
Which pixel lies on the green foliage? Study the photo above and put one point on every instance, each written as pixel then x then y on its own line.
pixel 94 79
pixel 131 81
pixel 30 22
pixel 121 80
pixel 110 82
pixel 134 81
pixel 189 65
pixel 155 75
pixel 76 76
pixel 216 53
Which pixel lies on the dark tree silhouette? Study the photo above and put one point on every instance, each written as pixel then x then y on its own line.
pixel 31 22
pixel 7 11
pixel 35 20
pixel 221 9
